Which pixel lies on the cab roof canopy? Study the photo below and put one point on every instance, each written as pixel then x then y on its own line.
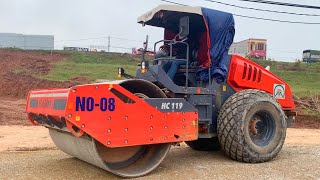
pixel 168 16
pixel 214 29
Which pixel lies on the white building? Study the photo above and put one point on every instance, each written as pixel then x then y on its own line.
pixel 250 47
pixel 30 42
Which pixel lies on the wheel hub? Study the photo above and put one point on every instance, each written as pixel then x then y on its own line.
pixel 253 126
pixel 261 128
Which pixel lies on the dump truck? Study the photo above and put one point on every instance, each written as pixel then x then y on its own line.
pixel 193 92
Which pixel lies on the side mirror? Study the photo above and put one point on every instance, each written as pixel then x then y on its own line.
pixel 184 27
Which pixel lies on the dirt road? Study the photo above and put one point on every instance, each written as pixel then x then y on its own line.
pixel 28 153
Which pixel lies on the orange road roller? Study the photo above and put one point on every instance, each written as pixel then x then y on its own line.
pixel 193 91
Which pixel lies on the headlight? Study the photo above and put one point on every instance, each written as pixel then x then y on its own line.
pixel 143 65
pixel 120 72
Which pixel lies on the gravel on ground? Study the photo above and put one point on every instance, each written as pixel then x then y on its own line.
pixel 28 153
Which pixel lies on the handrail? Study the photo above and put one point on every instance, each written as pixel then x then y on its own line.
pixel 171 43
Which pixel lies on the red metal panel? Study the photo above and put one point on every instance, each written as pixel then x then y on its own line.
pixel 45 100
pixel 128 124
pixel 245 74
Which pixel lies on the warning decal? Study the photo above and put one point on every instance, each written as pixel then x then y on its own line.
pixel 279 91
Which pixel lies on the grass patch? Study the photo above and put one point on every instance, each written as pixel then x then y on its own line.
pixel 92 66
pixel 302 83
pixel 303 78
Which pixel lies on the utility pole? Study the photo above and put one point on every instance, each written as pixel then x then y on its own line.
pixel 145 48
pixel 109 43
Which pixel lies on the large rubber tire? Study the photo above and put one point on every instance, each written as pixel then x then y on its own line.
pixel 204 144
pixel 251 126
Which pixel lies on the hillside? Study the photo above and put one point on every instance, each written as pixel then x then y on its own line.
pixel 25 70
pixel 63 66
pixel 304 78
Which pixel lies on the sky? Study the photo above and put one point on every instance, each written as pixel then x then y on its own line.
pixel 85 23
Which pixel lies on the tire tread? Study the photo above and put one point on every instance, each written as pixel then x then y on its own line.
pixel 230 134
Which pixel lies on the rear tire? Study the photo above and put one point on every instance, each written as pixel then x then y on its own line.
pixel 205 144
pixel 251 126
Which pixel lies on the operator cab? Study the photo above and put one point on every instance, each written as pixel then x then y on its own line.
pixel 185 44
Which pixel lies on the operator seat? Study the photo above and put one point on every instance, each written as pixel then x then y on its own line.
pixel 193 66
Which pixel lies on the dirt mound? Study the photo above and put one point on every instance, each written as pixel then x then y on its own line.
pixel 19 70
pixel 12 112
pixel 19 85
pixel 306 122
pixel 311 103
pixel 308 112
pixel 18 75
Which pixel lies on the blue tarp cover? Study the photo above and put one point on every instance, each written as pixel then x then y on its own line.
pixel 221 31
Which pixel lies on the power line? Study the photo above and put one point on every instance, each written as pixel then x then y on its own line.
pixel 265 10
pixel 81 39
pixel 290 52
pixel 277 20
pixel 124 39
pixel 106 37
pixel 174 3
pixel 120 47
pixel 132 40
pixel 282 4
pixel 236 45
pixel 259 18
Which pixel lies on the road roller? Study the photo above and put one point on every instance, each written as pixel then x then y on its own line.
pixel 191 91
